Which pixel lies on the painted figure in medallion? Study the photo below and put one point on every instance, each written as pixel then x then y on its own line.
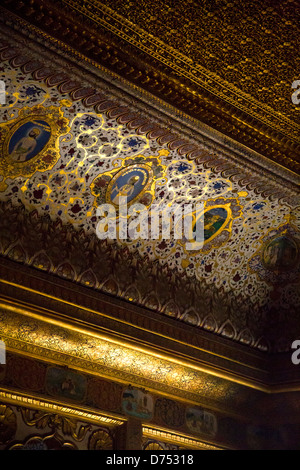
pixel 280 253
pixel 128 183
pixel 214 219
pixel 28 140
pixel 124 191
pixel 134 181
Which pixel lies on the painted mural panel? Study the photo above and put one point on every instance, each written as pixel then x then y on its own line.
pixel 280 253
pixel 169 413
pixel 201 421
pixel 58 159
pixel 214 219
pixel 64 383
pixel 137 403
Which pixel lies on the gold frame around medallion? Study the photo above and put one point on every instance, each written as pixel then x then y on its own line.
pixel 137 161
pixel 148 186
pixel 226 226
pixel 46 158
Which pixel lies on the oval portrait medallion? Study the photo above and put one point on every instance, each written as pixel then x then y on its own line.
pixel 211 222
pixel 129 184
pixel 214 220
pixel 280 253
pixel 28 140
pixel 204 225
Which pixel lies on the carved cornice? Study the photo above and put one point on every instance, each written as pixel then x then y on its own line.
pixel 31 401
pixel 108 356
pixel 177 439
pixel 62 300
pixel 48 409
pixel 83 28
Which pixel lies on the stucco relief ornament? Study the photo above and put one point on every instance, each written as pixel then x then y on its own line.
pixel 30 142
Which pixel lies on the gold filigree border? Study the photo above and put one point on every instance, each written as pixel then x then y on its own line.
pixel 80 413
pixel 154 432
pixel 115 356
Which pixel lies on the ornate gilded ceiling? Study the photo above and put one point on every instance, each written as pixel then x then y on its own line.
pixel 173 104
pixel 229 65
pixel 123 89
pixel 242 284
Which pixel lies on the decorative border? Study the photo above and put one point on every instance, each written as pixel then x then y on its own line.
pixel 67 299
pixel 177 439
pixel 217 361
pixel 30 401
